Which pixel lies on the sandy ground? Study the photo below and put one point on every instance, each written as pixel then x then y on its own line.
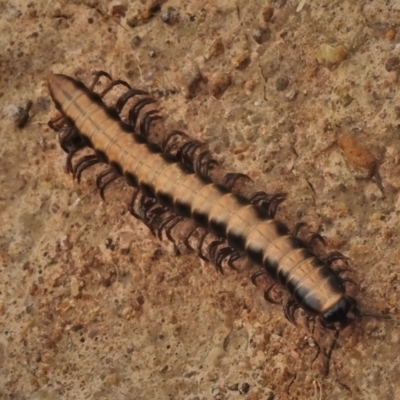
pixel 301 97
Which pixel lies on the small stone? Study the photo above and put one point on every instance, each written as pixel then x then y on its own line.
pixel 216 49
pixel 218 83
pixel 244 388
pixel 152 53
pixel 135 42
pixel 357 155
pixel 74 287
pixel 249 86
pixel 242 60
pixel 267 13
pixel 282 83
pixel 116 9
pixel 170 16
pixel 390 34
pixel 261 35
pixel 330 56
pixel 111 379
pixel 192 79
pixel 393 64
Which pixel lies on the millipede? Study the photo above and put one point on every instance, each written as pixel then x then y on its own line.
pixel 172 183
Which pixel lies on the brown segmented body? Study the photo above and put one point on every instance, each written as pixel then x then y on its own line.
pixel 312 283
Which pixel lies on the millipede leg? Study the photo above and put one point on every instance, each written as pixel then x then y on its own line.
pixel 54 122
pixel 100 184
pixel 334 256
pixel 231 178
pixel 256 275
pixel 315 237
pixel 82 164
pixel 135 110
pixel 328 354
pixel 268 295
pixel 148 118
pixel 289 309
pixel 200 246
pixel 168 144
pixel 235 255
pixel 168 224
pixel 112 84
pixel 213 253
pixel 269 202
pixel 188 236
pixel 204 163
pixel 185 153
pixel 71 153
pixel 97 76
pixel 298 227
pixel 131 206
pixel 120 104
pixel 152 215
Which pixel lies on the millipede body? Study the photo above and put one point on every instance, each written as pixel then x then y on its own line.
pixel 170 185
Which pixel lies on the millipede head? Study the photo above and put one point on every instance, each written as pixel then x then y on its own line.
pixel 341 314
pixel 344 313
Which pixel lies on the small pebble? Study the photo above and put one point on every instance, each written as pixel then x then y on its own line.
pixel 261 35
pixel 74 287
pixel 135 42
pixel 282 83
pixel 267 13
pixel 392 64
pixel 357 155
pixel 244 388
pixel 390 34
pixel 218 83
pixel 241 61
pixel 331 55
pixel 116 9
pixel 216 49
pixel 170 16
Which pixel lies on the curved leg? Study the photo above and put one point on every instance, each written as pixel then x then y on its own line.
pixel 150 216
pixel 82 164
pixel 268 296
pixel 168 224
pixel 289 309
pixel 256 275
pixel 234 256
pixel 298 227
pixel 188 236
pixel 113 84
pixel 223 253
pixel 131 206
pixel 185 153
pixel 315 237
pixel 269 202
pixel 204 163
pixel 111 177
pixel 213 254
pixel 167 146
pixel 230 179
pixel 97 76
pixel 135 110
pixel 328 353
pixel 57 122
pixel 120 104
pixel 148 118
pixel 200 246
pixel 334 256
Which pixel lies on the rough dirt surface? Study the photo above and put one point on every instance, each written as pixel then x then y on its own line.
pixel 302 97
